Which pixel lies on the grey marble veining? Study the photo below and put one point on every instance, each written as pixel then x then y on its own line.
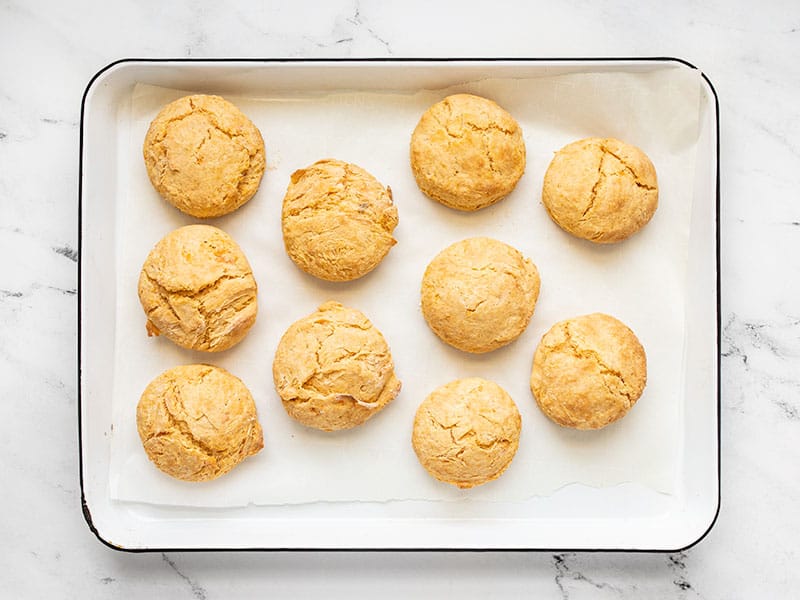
pixel 50 50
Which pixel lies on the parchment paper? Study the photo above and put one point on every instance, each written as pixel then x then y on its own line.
pixel 641 281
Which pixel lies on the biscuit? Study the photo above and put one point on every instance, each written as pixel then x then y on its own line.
pixel 333 369
pixel 479 294
pixel 197 289
pixel 588 371
pixel 467 152
pixel 600 189
pixel 466 432
pixel 204 156
pixel 337 220
pixel 198 422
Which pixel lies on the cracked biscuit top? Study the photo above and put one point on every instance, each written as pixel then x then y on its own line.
pixel 333 369
pixel 466 432
pixel 467 152
pixel 197 289
pixel 204 156
pixel 198 422
pixel 337 220
pixel 479 294
pixel 588 371
pixel 601 190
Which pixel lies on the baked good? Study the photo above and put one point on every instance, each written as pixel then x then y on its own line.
pixel 466 432
pixel 333 369
pixel 204 156
pixel 198 422
pixel 467 152
pixel 197 289
pixel 588 371
pixel 337 220
pixel 600 189
pixel 479 294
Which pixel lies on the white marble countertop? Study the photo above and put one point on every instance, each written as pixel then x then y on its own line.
pixel 48 53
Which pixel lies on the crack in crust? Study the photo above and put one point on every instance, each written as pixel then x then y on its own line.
pixel 585 351
pixel 177 420
pixel 635 176
pixel 600 180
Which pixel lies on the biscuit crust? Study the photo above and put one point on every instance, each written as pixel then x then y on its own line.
pixel 479 294
pixel 198 422
pixel 197 289
pixel 467 432
pixel 337 220
pixel 467 152
pixel 600 189
pixel 588 371
pixel 333 369
pixel 204 156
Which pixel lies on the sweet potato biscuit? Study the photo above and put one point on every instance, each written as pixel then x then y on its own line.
pixel 204 156
pixel 479 294
pixel 467 432
pixel 337 220
pixel 588 371
pixel 197 289
pixel 333 369
pixel 198 422
pixel 467 152
pixel 600 189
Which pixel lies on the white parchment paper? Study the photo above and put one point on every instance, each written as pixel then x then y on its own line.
pixel 641 281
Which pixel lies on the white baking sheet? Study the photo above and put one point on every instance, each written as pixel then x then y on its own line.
pixel 641 281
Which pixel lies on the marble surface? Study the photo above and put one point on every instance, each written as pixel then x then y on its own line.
pixel 49 51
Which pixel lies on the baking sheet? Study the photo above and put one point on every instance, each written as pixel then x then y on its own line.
pixel 641 281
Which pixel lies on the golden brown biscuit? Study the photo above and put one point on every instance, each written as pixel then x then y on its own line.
pixel 198 422
pixel 337 220
pixel 467 152
pixel 333 369
pixel 467 432
pixel 197 289
pixel 204 156
pixel 479 294
pixel 588 371
pixel 600 189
